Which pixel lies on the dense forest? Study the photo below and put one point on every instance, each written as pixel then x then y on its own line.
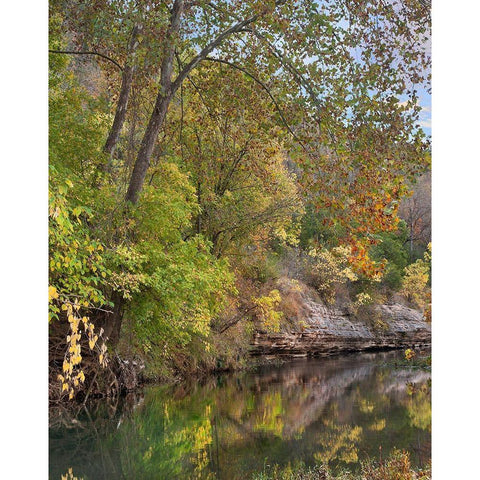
pixel 211 160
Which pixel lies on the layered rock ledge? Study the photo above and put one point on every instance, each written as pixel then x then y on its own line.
pixel 328 331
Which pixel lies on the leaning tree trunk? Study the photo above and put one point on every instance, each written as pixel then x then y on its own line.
pixel 122 104
pixel 160 110
pixel 120 113
pixel 143 158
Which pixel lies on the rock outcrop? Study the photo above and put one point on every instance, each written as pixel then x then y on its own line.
pixel 328 331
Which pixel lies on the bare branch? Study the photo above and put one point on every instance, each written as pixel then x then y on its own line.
pixel 73 52
pixel 215 43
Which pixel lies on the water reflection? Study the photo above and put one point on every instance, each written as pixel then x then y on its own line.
pixel 337 410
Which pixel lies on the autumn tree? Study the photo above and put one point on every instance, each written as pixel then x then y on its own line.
pixel 345 66
pixel 218 120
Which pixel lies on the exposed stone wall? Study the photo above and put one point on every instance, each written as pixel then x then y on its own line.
pixel 330 330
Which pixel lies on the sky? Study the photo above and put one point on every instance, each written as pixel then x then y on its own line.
pixel 425 100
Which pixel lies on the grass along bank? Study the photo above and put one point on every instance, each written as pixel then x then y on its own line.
pixel 397 467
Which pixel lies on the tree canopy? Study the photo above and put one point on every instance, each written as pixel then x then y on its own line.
pixel 191 141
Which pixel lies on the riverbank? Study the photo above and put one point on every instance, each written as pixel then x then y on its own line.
pixel 309 327
pixel 324 331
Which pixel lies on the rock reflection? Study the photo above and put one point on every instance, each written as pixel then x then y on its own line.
pixel 337 410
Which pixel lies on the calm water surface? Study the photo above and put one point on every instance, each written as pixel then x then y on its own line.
pixel 338 410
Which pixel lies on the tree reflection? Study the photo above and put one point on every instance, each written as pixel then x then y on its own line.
pixel 337 411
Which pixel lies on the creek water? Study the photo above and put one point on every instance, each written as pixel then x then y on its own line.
pixel 339 410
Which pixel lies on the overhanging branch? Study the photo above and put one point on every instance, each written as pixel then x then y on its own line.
pixel 73 52
pixel 217 42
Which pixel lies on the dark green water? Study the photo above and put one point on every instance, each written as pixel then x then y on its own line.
pixel 339 410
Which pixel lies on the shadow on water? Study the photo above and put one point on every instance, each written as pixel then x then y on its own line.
pixel 339 411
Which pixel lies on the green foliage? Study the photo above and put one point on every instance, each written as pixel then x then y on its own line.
pixel 262 266
pixel 184 289
pixel 174 286
pixel 78 123
pixel 76 260
pixel 392 248
pixel 317 230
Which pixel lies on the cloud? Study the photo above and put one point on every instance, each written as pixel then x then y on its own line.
pixel 425 119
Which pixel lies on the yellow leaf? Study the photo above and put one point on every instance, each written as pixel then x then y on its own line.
pixel 52 293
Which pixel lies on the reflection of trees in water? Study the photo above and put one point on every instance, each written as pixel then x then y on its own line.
pixel 162 437
pixel 419 410
pixel 336 410
pixel 79 438
pixel 337 442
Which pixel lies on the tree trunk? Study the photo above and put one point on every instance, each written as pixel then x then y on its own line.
pixel 122 104
pixel 120 113
pixel 146 148
pixel 161 106
pixel 113 323
pixel 168 89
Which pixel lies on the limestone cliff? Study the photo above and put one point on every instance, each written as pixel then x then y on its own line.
pixel 329 330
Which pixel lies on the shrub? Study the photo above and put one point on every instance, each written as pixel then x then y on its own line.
pixel 329 269
pixel 267 310
pixel 416 281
